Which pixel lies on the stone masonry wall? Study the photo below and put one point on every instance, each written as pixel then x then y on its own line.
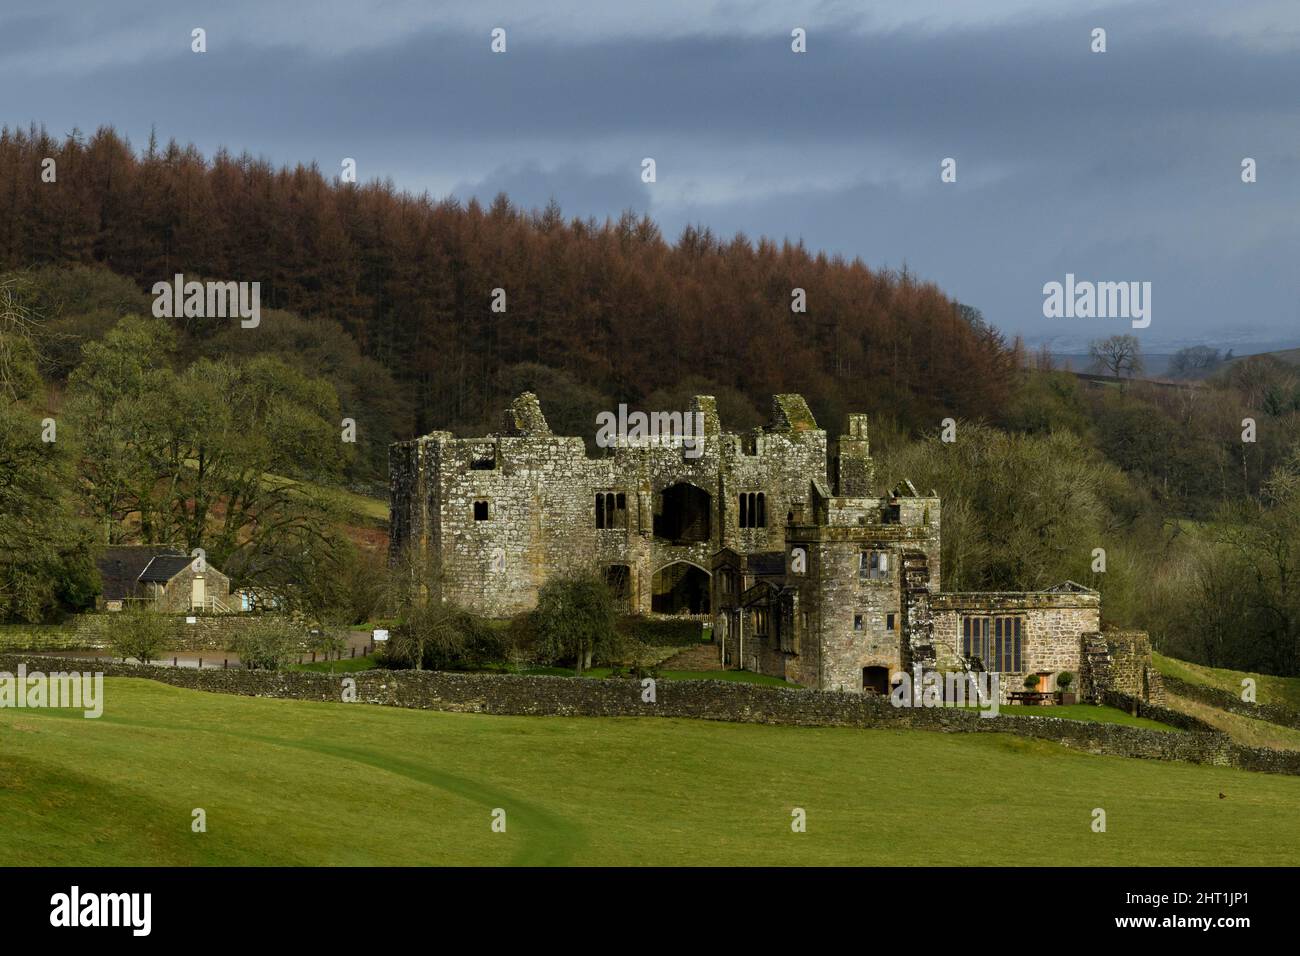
pixel 1273 713
pixel 209 632
pixel 706 700
pixel 540 491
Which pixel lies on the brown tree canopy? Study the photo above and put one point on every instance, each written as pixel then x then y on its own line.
pixel 612 305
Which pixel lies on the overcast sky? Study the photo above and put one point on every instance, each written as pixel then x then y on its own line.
pixel 1115 166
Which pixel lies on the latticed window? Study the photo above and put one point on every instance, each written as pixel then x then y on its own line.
pixel 998 642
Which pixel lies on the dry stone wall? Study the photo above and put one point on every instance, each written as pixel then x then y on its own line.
pixel 705 700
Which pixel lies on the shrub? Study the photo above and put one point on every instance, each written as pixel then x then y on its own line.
pixel 140 633
pixel 441 636
pixel 575 620
pixel 268 643
pixel 1031 681
pixel 660 633
pixel 1064 680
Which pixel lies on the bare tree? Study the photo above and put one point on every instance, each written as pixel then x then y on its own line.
pixel 1121 355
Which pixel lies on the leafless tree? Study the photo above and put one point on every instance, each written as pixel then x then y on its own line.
pixel 1121 355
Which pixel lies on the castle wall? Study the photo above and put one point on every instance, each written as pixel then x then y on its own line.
pixel 540 492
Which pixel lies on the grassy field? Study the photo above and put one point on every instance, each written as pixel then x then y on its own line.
pixel 1268 689
pixel 290 782
pixel 1244 730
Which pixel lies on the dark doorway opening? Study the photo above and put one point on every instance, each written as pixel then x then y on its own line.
pixel 680 587
pixel 875 680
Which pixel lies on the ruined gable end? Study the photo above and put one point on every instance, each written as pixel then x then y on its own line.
pixel 524 418
pixel 791 413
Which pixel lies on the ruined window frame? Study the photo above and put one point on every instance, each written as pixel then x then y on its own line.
pixel 611 510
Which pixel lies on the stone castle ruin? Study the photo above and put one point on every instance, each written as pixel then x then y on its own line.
pixel 804 571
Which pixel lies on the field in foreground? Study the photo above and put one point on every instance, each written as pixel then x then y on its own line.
pixel 290 782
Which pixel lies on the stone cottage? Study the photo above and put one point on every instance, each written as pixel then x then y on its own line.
pixel 804 571
pixel 163 577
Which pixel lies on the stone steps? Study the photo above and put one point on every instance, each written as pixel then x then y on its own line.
pixel 700 657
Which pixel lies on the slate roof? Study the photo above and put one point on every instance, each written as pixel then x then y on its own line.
pixel 120 567
pixel 165 567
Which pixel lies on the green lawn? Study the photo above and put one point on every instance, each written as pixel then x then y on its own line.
pixel 290 782
pixel 1268 689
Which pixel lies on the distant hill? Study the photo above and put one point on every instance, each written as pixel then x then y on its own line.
pixel 1289 356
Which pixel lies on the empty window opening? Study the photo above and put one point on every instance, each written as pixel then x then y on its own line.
pixel 997 642
pixel 480 510
pixel 618 577
pixel 611 509
pixel 753 509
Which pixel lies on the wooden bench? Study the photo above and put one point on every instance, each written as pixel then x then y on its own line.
pixel 1030 697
